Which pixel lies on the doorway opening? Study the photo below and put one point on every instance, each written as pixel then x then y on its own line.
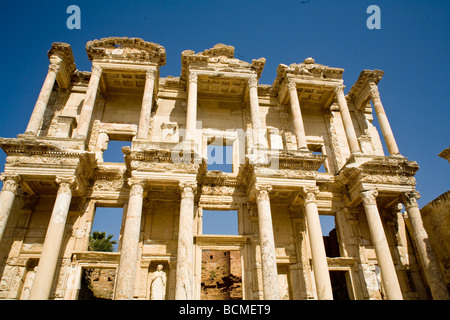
pixel 221 276
pixel 97 284
pixel 339 281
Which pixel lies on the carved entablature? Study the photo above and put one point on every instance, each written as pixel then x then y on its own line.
pixel 360 91
pixel 161 160
pixel 219 59
pixel 388 175
pixel 129 49
pixel 35 160
pixel 299 76
pixel 61 57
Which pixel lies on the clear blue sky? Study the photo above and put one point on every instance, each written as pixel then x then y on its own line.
pixel 412 47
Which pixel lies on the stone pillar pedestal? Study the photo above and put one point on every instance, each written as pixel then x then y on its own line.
pixel 191 117
pixel 430 265
pixel 319 256
pixel 44 96
pixel 53 239
pixel 383 121
pixel 147 101
pixel 297 116
pixel 347 120
pixel 379 241
pixel 184 288
pixel 7 196
pixel 129 252
pixel 267 243
pixel 89 103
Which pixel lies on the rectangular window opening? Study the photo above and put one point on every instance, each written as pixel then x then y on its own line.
pixel 317 149
pixel 220 155
pixel 329 236
pixel 106 227
pixel 114 151
pixel 220 222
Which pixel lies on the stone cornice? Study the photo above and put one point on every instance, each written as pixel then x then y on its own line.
pixel 221 57
pixel 308 69
pixel 359 92
pixel 126 48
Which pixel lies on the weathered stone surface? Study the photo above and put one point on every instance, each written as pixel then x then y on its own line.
pixel 297 149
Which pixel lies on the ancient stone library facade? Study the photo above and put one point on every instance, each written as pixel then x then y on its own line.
pixel 298 150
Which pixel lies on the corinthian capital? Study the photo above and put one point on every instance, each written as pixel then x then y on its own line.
pixel 369 197
pixel 262 191
pixel 252 82
pixel 188 189
pixel 310 193
pixel 96 69
pixel 373 91
pixel 291 85
pixel 137 186
pixel 54 66
pixel 66 184
pixel 339 89
pixel 409 199
pixel 10 182
pixel 193 77
pixel 150 74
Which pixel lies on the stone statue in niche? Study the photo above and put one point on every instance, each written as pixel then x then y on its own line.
pixel 29 279
pixel 158 284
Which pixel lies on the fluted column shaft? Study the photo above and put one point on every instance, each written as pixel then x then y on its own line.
pixel 267 243
pixel 84 121
pixel 184 288
pixel 129 252
pixel 53 240
pixel 319 256
pixel 191 116
pixel 379 241
pixel 347 120
pixel 426 254
pixel 7 196
pixel 297 116
pixel 383 121
pixel 44 96
pixel 147 101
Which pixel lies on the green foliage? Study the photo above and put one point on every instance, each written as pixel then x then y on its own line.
pixel 98 241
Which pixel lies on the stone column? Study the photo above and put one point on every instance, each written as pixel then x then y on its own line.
pixel 297 116
pixel 89 103
pixel 7 195
pixel 129 252
pixel 267 243
pixel 184 288
pixel 191 117
pixel 147 101
pixel 53 240
pixel 347 120
pixel 254 111
pixel 44 96
pixel 383 120
pixel 426 254
pixel 319 256
pixel 379 241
